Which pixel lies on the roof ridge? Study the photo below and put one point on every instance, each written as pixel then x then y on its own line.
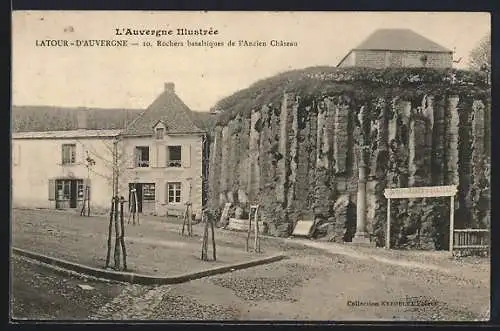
pixel 399 39
pixel 170 108
pixel 186 109
pixel 72 107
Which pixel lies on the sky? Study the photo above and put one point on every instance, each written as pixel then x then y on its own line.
pixel 133 76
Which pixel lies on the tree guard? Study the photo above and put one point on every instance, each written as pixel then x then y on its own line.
pixel 420 192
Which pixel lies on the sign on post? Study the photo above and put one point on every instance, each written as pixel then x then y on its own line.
pixel 420 192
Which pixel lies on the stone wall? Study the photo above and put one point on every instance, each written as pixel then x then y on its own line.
pixel 298 159
pixel 384 59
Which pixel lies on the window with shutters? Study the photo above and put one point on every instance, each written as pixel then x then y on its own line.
pixel 173 192
pixel 174 156
pixel 68 153
pixel 142 156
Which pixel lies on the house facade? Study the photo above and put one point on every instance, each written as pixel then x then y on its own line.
pixel 159 153
pixel 397 48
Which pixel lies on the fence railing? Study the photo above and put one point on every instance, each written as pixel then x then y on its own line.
pixel 471 240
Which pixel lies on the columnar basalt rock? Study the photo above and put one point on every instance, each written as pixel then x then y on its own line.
pixel 393 143
pixel 297 154
pixel 354 142
pixel 381 165
pixel 328 155
pixel 440 207
pixel 265 153
pixel 438 166
pixel 303 155
pixel 234 158
pixel 322 190
pixel 312 150
pixel 419 151
pixel 340 223
pixel 480 163
pixel 244 162
pixel 465 111
pixel 419 226
pixel 398 169
pixel 428 109
pixel 254 167
pixel 452 121
pixel 284 161
pixel 341 122
pixel 224 163
pixel 293 134
pixel 215 168
pixel 478 158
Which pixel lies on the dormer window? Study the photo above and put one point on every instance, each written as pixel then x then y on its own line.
pixel 159 130
pixel 160 133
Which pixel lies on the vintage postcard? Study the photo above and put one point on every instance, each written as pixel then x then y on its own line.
pixel 240 166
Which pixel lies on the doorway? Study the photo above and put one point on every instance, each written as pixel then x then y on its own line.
pixel 138 188
pixel 146 197
pixel 68 193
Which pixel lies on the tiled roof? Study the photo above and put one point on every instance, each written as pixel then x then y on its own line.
pixel 65 134
pixel 400 40
pixel 48 118
pixel 169 109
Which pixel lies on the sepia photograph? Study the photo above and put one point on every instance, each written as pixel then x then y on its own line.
pixel 250 166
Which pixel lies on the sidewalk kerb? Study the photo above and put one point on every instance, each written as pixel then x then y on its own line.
pixel 141 278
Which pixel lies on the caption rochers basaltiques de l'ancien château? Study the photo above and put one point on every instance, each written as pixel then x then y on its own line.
pixel 166 32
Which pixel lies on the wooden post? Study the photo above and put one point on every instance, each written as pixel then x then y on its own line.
pixel 187 220
pixel 388 231
pixel 131 206
pixel 256 247
pixel 117 236
pixel 82 211
pixel 204 245
pixel 213 238
pixel 249 227
pixel 87 191
pixel 189 215
pixel 122 236
pixel 452 221
pixel 110 230
pixel 136 206
pixel 257 238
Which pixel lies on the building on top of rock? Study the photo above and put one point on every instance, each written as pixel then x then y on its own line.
pixel 397 48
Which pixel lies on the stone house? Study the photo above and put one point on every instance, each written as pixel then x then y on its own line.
pixel 397 48
pixel 160 153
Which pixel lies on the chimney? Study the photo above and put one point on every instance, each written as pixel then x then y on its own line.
pixel 81 119
pixel 170 87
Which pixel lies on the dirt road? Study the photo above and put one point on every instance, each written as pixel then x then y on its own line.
pixel 312 284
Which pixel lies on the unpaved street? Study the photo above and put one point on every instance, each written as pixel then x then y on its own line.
pixel 322 282
pixel 310 285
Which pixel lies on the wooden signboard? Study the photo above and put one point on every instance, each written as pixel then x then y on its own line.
pixel 420 192
pixel 303 228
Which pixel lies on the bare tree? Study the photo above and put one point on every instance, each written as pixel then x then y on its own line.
pixel 480 56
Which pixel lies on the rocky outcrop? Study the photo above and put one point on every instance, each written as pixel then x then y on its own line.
pixel 296 153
